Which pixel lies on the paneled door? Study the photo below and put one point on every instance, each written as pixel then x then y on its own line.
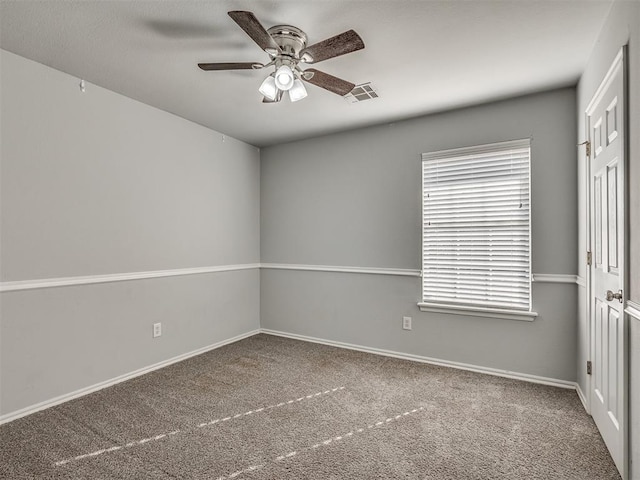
pixel 606 123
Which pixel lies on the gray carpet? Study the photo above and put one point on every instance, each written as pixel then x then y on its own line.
pixel 274 408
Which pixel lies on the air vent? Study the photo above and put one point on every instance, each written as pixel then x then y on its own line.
pixel 360 93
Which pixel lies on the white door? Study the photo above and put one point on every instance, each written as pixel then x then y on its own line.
pixel 605 123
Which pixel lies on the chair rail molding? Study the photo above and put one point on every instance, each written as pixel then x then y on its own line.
pixel 633 309
pixel 343 269
pixel 555 278
pixel 12 286
pixel 117 277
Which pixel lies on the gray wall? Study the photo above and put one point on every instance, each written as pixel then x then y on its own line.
pixel 622 27
pixel 95 183
pixel 354 199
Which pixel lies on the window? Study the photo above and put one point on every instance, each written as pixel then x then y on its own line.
pixel 476 230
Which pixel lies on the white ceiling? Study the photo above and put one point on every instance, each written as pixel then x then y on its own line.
pixel 422 56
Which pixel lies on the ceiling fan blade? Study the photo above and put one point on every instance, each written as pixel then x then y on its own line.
pixel 328 82
pixel 248 22
pixel 231 66
pixel 342 44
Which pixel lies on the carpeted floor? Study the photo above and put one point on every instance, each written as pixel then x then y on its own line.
pixel 274 408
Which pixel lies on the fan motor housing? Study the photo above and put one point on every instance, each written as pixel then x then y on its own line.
pixel 291 40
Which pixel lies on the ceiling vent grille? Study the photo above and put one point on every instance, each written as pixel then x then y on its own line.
pixel 362 92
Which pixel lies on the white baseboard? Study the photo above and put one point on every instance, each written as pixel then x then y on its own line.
pixel 122 378
pixel 582 397
pixel 434 361
pixel 405 356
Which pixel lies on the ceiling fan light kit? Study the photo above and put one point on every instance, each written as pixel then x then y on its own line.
pixel 287 47
pixel 268 88
pixel 297 91
pixel 284 78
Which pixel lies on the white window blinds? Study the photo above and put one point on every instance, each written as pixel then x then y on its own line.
pixel 476 226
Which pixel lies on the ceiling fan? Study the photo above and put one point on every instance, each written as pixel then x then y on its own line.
pixel 287 47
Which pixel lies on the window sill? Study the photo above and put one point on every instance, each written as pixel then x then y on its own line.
pixel 478 311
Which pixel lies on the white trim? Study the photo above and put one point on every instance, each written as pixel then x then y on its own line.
pixel 554 278
pixel 120 277
pixel 473 311
pixel 487 147
pixel 608 78
pixel 117 277
pixel 633 309
pixel 582 397
pixel 620 63
pixel 8 417
pixel 581 281
pixel 388 353
pixel 341 269
pixel 433 361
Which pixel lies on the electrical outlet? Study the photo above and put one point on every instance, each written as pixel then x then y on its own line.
pixel 406 323
pixel 157 330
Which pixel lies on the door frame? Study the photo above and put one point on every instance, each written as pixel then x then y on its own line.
pixel 620 61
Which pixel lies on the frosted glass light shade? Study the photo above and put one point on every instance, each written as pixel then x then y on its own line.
pixel 284 78
pixel 268 88
pixel 297 91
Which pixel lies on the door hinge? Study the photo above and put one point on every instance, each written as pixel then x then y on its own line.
pixel 589 258
pixel 587 147
pixel 589 367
